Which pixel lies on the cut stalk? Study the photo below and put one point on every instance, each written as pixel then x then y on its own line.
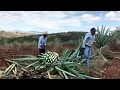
pixel 100 53
pixel 49 75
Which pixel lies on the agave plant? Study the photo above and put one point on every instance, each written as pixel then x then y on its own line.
pixel 103 38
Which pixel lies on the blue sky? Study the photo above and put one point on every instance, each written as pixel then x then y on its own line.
pixel 57 21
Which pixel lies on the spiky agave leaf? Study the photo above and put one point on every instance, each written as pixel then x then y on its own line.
pixel 89 77
pixel 75 72
pixel 65 72
pixel 32 64
pixel 25 59
pixel 64 57
pixel 74 55
pixel 66 77
pixel 103 36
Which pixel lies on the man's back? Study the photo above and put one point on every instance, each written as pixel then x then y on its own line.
pixel 42 41
pixel 88 39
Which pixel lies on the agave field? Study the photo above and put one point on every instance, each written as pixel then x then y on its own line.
pixel 60 62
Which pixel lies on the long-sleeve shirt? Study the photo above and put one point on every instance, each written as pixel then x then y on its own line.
pixel 42 42
pixel 88 40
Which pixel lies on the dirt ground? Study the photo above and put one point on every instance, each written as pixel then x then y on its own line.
pixel 111 69
pixel 7 53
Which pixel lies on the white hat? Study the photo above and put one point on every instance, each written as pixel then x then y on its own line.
pixel 45 32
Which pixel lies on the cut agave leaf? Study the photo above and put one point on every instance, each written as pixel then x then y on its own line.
pixel 9 69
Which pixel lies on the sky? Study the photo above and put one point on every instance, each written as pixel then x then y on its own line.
pixel 57 21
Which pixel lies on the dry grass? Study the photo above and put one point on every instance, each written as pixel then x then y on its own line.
pixel 21 46
pixel 97 62
pixel 12 34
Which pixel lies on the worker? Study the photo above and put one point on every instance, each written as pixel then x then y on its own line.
pixel 88 41
pixel 42 43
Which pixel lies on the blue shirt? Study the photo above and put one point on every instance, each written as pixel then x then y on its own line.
pixel 88 40
pixel 42 42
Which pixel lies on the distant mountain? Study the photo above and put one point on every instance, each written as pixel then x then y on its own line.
pixel 35 32
pixel 17 30
pixel 30 32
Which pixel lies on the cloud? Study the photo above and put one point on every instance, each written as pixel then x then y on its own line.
pixel 42 19
pixel 6 16
pixel 49 20
pixel 89 18
pixel 113 15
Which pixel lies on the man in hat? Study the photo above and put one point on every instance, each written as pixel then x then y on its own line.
pixel 88 41
pixel 42 42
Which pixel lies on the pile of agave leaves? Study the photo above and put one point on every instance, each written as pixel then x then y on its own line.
pixel 47 66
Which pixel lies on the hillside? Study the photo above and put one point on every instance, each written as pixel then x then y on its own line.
pixel 51 37
pixel 4 34
pixel 11 38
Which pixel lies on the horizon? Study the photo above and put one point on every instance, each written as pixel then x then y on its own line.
pixel 57 21
pixel 32 32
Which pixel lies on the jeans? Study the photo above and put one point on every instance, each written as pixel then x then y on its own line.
pixel 87 53
pixel 41 51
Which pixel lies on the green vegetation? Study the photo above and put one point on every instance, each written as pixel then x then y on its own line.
pixel 103 38
pixel 53 39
